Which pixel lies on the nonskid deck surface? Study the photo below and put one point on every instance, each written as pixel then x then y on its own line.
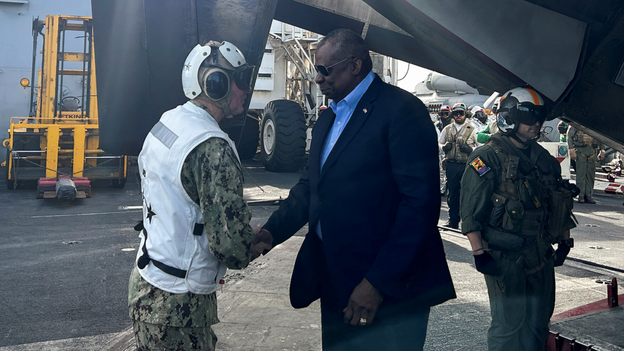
pixel 68 265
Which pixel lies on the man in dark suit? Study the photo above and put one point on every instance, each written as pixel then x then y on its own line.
pixel 370 192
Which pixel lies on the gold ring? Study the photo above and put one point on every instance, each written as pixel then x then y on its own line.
pixel 362 321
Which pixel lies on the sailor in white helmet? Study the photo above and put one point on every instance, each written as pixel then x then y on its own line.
pixel 514 207
pixel 195 222
pixel 479 118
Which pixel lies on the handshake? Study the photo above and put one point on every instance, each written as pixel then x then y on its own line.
pixel 262 242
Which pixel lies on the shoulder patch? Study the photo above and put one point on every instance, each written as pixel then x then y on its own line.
pixel 479 166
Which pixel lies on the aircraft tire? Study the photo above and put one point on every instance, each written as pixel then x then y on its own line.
pixel 283 138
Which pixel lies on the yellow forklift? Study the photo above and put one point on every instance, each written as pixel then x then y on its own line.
pixel 57 146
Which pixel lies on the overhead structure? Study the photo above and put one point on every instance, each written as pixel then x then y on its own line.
pixel 572 51
pixel 140 50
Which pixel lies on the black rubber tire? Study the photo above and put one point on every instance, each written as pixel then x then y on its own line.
pixel 118 183
pixel 283 138
pixel 247 146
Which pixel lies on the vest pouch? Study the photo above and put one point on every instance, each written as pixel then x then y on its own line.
pixel 560 216
pixel 512 218
pixel 500 240
pixel 498 210
pixel 528 193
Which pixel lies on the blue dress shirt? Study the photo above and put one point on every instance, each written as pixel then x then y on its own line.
pixel 343 110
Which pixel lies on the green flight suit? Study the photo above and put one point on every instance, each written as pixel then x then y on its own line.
pixel 507 195
pixel 586 157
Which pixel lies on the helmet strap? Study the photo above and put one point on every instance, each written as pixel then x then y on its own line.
pixel 224 105
pixel 524 143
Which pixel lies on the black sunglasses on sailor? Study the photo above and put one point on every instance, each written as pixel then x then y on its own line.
pixel 243 76
pixel 444 113
pixel 458 113
pixel 326 70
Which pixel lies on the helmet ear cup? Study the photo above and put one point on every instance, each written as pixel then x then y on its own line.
pixel 215 83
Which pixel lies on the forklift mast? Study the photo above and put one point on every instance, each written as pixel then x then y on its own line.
pixel 59 140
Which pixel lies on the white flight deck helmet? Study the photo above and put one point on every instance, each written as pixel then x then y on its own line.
pixel 479 113
pixel 211 68
pixel 519 105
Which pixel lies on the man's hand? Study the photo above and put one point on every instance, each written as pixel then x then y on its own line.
pixel 262 241
pixel 561 253
pixel 363 304
pixel 447 147
pixel 601 154
pixel 465 148
pixel 485 263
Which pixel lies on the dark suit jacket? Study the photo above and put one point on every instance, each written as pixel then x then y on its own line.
pixel 378 201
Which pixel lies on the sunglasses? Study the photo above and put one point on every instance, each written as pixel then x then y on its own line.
pixel 458 113
pixel 326 70
pixel 243 77
pixel 444 113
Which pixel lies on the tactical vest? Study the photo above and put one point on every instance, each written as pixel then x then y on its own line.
pixel 458 137
pixel 582 139
pixel 523 199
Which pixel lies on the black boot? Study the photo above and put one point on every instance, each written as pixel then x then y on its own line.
pixel 589 200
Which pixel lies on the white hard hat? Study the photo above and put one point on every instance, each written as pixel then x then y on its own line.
pixel 223 55
pixel 477 109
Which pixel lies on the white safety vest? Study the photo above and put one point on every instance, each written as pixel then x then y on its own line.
pixel 169 214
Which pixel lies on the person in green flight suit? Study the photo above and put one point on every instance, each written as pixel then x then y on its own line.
pixel 514 207
pixel 562 128
pixel 587 150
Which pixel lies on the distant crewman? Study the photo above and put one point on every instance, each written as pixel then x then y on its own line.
pixel 562 127
pixel 484 135
pixel 444 117
pixel 457 140
pixel 587 150
pixel 514 206
pixel 479 118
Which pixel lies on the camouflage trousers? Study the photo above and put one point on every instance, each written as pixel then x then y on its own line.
pixel 162 337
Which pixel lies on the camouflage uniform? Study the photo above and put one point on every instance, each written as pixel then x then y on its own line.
pixel 212 177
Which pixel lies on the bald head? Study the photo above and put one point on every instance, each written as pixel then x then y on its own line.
pixel 347 43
